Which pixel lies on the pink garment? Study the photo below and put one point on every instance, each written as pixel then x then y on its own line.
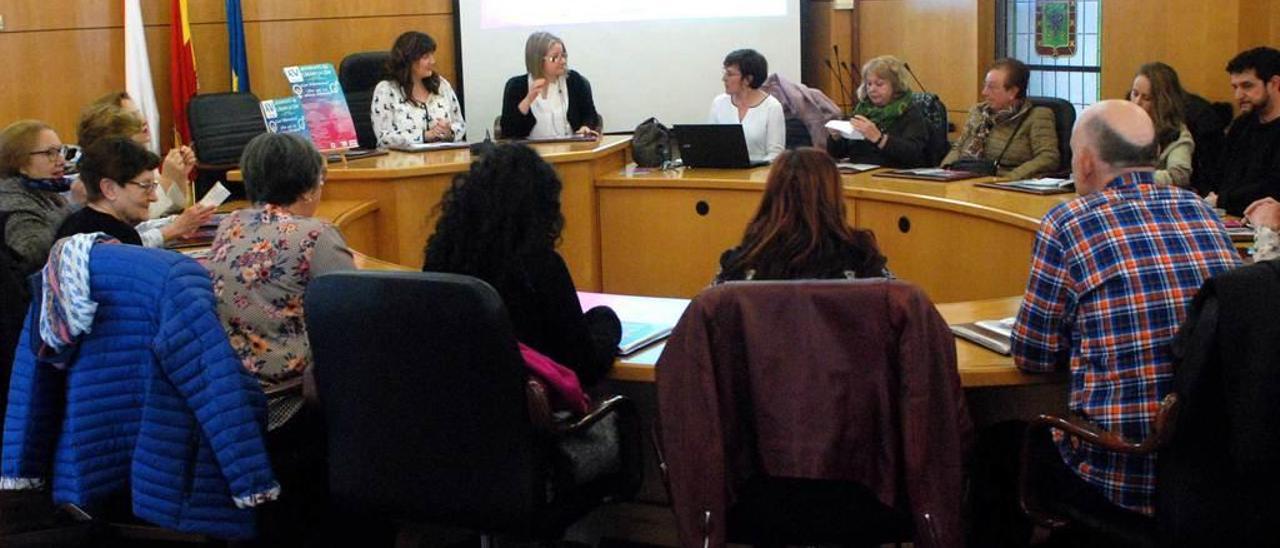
pixel 564 387
pixel 803 102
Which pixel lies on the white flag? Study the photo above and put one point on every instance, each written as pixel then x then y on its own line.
pixel 137 69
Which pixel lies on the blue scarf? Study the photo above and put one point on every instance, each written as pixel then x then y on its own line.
pixel 56 184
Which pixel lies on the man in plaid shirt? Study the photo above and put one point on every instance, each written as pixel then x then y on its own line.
pixel 1112 275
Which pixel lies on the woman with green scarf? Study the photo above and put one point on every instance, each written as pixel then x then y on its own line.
pixel 894 132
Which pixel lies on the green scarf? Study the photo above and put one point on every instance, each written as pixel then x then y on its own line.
pixel 884 116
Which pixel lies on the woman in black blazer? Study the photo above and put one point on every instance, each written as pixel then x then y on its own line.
pixel 551 100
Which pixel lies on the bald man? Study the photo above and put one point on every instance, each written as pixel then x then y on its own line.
pixel 1112 274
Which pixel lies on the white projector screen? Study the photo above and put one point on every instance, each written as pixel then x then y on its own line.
pixel 652 58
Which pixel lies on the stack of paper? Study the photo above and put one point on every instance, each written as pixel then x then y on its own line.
pixel 845 129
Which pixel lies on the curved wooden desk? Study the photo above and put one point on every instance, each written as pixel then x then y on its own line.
pixel 408 186
pixel 979 367
pixel 662 232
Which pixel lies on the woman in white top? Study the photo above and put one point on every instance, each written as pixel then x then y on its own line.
pixel 414 104
pixel 743 103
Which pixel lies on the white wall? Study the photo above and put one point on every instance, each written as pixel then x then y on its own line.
pixel 663 60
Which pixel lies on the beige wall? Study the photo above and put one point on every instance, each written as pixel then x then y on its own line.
pixel 64 53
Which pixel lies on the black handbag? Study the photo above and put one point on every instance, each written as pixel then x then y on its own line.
pixel 983 166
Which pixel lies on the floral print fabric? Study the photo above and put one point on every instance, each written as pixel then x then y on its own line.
pixel 261 262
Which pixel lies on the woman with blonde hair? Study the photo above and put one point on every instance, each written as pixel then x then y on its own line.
pixel 894 131
pixel 1157 90
pixel 551 100
pixel 801 231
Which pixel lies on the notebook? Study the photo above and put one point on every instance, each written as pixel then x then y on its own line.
pixel 722 146
pixel 637 335
pixel 1045 186
pixel 424 147
pixel 928 174
pixel 994 335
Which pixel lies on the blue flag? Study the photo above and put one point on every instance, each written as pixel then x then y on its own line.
pixel 235 35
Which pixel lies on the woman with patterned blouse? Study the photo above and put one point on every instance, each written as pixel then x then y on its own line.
pixel 263 257
pixel 414 104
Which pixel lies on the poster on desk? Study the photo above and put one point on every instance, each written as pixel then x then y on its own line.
pixel 324 107
pixel 285 116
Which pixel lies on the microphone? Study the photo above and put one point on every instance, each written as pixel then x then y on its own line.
pixel 839 79
pixel 907 66
pixel 852 99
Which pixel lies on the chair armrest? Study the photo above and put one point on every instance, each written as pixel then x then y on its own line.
pixel 287 388
pixel 1092 434
pixel 608 405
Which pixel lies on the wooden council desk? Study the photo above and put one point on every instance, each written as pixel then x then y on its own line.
pixel 407 186
pixel 662 233
pixel 979 367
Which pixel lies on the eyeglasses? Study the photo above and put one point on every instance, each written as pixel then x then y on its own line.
pixel 557 58
pixel 52 153
pixel 146 186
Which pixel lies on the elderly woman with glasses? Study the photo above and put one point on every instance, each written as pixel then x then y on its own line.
pixel 551 100
pixel 263 257
pixel 32 167
pixel 119 177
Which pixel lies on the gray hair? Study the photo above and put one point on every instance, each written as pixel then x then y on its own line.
pixel 536 48
pixel 279 168
pixel 1116 151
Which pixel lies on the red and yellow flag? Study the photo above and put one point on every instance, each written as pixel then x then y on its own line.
pixel 182 69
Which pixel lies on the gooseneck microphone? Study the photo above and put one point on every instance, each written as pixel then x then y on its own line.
pixel 848 75
pixel 907 66
pixel 839 79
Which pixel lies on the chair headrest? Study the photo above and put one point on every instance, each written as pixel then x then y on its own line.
pixel 362 71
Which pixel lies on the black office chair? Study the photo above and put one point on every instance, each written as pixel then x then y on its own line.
pixel 797 134
pixel 424 398
pixel 221 125
pixel 359 74
pixel 935 112
pixel 1064 117
pixel 1207 123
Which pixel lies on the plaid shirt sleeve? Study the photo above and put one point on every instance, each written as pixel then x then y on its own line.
pixel 1040 341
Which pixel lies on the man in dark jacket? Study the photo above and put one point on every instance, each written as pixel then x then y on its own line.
pixel 1250 162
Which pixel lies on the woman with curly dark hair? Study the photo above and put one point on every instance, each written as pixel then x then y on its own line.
pixel 800 231
pixel 500 222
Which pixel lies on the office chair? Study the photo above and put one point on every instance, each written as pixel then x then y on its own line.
pixel 430 418
pixel 221 125
pixel 935 112
pixel 1207 123
pixel 786 416
pixel 797 134
pixel 359 74
pixel 1217 433
pixel 1064 119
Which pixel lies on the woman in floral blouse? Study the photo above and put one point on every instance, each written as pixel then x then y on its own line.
pixel 263 257
pixel 414 104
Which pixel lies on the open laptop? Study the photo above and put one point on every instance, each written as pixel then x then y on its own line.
pixel 714 145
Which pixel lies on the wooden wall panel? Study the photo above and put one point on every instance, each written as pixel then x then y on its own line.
pixel 938 38
pixel 1197 38
pixel 827 27
pixel 83 43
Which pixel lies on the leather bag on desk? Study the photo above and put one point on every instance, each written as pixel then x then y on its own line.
pixel 841 380
pixel 652 144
